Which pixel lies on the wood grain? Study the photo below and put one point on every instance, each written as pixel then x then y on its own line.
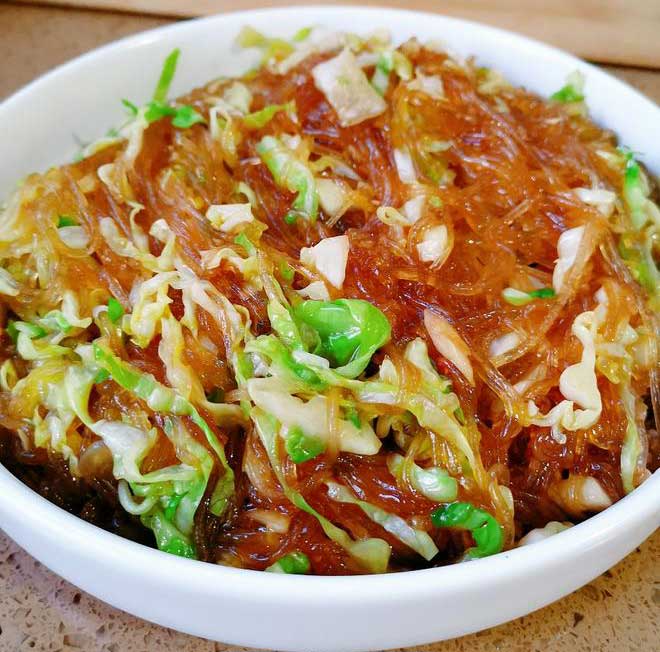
pixel 39 612
pixel 35 39
pixel 606 31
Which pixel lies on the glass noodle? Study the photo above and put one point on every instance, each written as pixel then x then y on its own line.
pixel 366 308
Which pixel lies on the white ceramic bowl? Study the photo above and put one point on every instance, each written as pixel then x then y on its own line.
pixel 294 612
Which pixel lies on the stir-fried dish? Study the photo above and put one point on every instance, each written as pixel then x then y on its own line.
pixel 363 309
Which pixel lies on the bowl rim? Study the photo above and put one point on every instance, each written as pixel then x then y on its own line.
pixel 70 530
pixel 55 522
pixel 154 33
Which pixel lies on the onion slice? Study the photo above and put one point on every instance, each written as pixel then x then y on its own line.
pixel 449 343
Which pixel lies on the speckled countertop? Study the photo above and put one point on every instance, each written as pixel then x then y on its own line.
pixel 620 611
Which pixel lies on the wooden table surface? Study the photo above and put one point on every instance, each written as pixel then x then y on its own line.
pixel 620 611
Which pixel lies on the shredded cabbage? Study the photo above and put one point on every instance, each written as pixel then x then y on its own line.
pixel 350 331
pixel 414 538
pixel 291 173
pixel 434 248
pixel 332 197
pixel 431 85
pixel 388 61
pixel 540 534
pixel 328 257
pixel 405 166
pixel 8 284
pixel 449 343
pixel 572 91
pixel 434 483
pixel 373 554
pixel 124 247
pixel 601 199
pixel 261 118
pixel 229 217
pixel 316 290
pixel 577 383
pixel 567 249
pixel 270 395
pixel 347 89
